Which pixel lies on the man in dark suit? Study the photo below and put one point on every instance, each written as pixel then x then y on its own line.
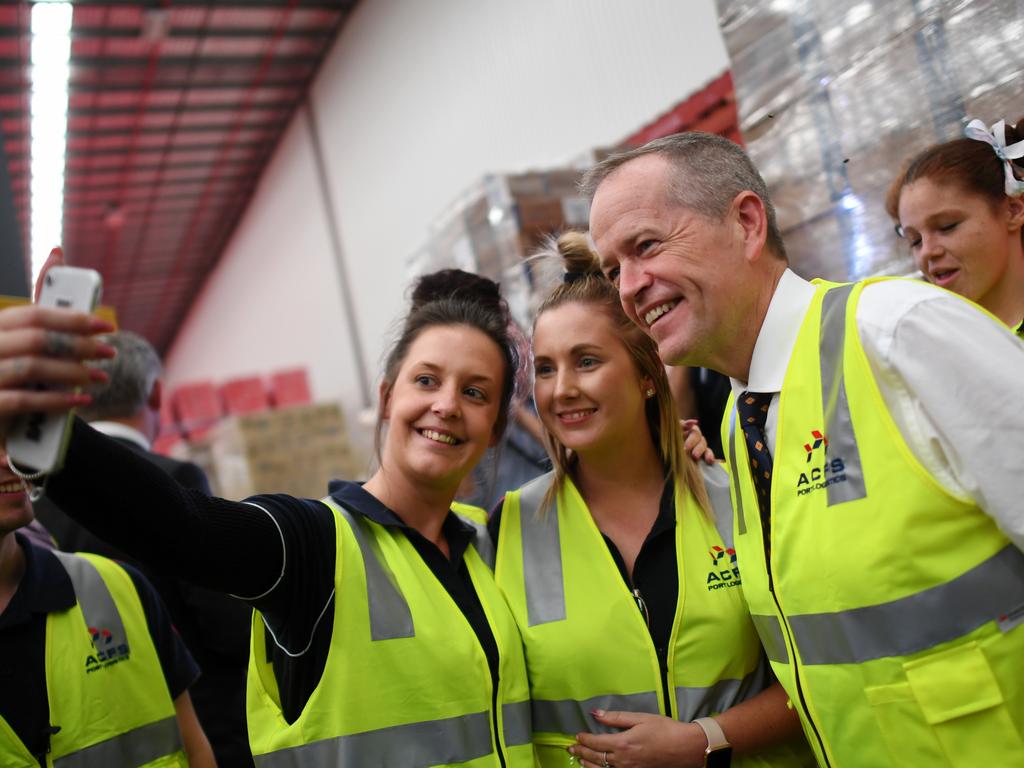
pixel 214 627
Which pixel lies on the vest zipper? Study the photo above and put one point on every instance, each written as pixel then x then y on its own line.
pixel 494 724
pixel 785 627
pixel 662 663
pixel 796 671
pixel 51 730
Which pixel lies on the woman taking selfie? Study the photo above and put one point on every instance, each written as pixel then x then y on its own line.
pixel 960 206
pixel 619 566
pixel 381 637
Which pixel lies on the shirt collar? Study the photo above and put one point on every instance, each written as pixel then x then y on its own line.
pixel 357 499
pixel 122 431
pixel 777 337
pixel 45 585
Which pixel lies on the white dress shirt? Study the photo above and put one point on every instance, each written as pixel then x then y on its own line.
pixel 951 376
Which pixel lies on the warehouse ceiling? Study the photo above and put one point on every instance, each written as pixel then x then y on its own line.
pixel 174 109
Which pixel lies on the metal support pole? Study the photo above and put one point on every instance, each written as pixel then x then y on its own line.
pixel 339 257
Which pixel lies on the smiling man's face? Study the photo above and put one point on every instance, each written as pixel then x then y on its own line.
pixel 679 273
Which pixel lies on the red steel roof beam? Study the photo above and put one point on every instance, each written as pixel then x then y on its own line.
pixel 268 58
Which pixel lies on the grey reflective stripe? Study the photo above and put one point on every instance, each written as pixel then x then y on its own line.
pixel 481 541
pixel 741 521
pixel 97 604
pixel 692 703
pixel 416 745
pixel 770 631
pixel 917 622
pixel 842 442
pixel 542 554
pixel 516 727
pixel 572 717
pixel 390 616
pixel 134 748
pixel 716 481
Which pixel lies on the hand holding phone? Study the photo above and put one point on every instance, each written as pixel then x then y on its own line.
pixel 36 442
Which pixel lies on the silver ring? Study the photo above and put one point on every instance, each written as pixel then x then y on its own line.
pixel 58 344
pixel 604 761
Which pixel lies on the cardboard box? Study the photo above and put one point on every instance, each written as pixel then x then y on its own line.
pixel 499 222
pixel 295 450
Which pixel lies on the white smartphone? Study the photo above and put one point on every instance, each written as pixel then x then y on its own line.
pixel 36 442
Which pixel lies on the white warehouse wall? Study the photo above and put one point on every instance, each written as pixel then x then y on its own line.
pixel 414 103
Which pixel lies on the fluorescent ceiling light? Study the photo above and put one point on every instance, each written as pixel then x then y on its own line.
pixel 51 52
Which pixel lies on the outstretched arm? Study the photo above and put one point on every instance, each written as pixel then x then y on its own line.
pixel 131 503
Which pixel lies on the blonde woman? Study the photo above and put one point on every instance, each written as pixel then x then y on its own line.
pixel 619 566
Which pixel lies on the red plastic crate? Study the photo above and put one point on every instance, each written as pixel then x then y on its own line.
pixel 245 395
pixel 197 405
pixel 712 109
pixel 290 388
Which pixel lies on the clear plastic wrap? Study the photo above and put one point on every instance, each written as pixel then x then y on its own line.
pixel 497 223
pixel 835 95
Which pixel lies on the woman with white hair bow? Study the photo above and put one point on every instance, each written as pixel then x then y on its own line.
pixel 960 206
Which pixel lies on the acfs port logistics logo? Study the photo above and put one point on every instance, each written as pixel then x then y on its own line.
pixel 107 651
pixel 724 573
pixel 825 471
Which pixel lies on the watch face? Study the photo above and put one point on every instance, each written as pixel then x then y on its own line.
pixel 719 758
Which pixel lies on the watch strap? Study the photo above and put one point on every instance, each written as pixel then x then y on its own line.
pixel 713 731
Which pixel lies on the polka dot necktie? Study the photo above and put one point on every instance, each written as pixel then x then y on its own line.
pixel 753 412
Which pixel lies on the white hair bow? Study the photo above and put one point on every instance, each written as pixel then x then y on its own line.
pixel 996 136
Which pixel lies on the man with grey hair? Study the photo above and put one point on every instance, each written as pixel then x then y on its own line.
pixel 215 627
pixel 879 526
pixel 132 397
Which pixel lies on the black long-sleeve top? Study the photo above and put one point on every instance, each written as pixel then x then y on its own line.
pixel 275 552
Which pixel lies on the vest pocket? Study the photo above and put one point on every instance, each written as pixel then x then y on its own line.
pixel 961 700
pixel 898 716
pixel 551 752
pixel 950 712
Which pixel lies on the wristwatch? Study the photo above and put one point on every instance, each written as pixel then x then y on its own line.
pixel 719 751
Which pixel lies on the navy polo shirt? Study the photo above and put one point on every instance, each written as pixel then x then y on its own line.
pixel 45 588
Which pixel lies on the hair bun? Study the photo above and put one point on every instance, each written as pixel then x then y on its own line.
pixel 578 258
pixel 572 252
pixel 455 283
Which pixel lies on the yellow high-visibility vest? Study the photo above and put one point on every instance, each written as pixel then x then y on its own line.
pixel 106 689
pixel 895 612
pixel 587 643
pixel 406 682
